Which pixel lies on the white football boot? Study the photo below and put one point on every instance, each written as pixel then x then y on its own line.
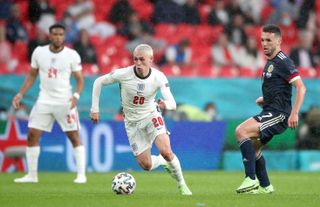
pixel 81 179
pixel 27 179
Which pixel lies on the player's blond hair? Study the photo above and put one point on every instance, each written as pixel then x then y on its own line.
pixel 145 48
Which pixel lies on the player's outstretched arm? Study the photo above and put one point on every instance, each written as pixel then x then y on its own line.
pixel 300 93
pixel 25 87
pixel 96 91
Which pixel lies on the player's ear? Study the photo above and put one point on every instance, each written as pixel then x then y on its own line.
pixel 279 40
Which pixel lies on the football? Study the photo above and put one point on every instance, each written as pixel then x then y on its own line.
pixel 123 183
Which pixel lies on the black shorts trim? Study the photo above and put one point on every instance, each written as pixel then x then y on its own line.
pixel 272 123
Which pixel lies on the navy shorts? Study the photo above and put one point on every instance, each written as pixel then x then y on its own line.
pixel 272 123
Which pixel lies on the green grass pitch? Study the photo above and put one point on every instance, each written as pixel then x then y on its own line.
pixel 158 189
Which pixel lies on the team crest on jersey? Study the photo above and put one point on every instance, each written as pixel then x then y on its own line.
pixel 269 71
pixel 140 86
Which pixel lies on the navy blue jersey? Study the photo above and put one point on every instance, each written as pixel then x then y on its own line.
pixel 278 74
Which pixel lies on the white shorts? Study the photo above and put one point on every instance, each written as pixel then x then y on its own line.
pixel 42 117
pixel 142 133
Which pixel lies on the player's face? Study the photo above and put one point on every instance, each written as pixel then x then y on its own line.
pixel 142 61
pixel 270 43
pixel 57 37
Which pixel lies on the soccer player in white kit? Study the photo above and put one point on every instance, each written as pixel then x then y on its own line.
pixel 54 63
pixel 144 123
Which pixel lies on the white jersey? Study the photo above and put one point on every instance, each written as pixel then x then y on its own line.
pixel 55 70
pixel 137 94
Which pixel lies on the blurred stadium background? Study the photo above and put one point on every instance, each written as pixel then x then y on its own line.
pixel 104 33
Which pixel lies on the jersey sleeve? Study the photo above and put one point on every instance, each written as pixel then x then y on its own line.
pixel 76 62
pixel 288 70
pixel 34 62
pixel 166 93
pixel 104 80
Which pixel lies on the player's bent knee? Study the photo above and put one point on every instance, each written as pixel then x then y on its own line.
pixel 240 133
pixel 145 166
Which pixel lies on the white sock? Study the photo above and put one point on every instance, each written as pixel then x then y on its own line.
pixel 157 161
pixel 175 167
pixel 79 154
pixel 32 155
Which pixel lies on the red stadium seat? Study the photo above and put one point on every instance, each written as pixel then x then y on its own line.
pixel 23 6
pixel 289 35
pixel 165 29
pixel 22 68
pixel 96 40
pixel 185 31
pixel 201 54
pixel 207 71
pixel 228 72
pixel 254 31
pixel 307 72
pixel 105 69
pixel 247 72
pixel 318 12
pixel 102 9
pixel 318 72
pixel 205 34
pixel 170 70
pixel 90 69
pixel 188 71
pixel 259 72
pixel 61 7
pixel 116 40
pixel 3 68
pixel 143 8
pixel 167 32
pixel 20 51
pixel 265 13
pixel 204 10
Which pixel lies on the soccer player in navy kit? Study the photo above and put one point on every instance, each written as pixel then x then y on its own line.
pixel 279 75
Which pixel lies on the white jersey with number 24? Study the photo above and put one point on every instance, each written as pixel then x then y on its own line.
pixel 55 70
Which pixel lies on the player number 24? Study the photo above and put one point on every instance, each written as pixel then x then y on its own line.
pixel 52 73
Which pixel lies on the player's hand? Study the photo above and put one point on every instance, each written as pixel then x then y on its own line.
pixel 161 104
pixel 16 101
pixel 293 120
pixel 260 101
pixel 74 102
pixel 95 117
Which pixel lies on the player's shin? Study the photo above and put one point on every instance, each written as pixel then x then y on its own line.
pixel 79 154
pixel 32 155
pixel 176 171
pixel 248 156
pixel 261 171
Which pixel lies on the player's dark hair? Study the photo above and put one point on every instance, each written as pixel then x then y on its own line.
pixel 272 28
pixel 54 26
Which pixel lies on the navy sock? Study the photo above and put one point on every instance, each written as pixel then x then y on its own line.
pixel 261 171
pixel 248 157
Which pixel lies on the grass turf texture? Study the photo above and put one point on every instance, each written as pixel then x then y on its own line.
pixel 158 189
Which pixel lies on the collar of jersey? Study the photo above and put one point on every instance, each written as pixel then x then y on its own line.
pixel 135 72
pixel 55 51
